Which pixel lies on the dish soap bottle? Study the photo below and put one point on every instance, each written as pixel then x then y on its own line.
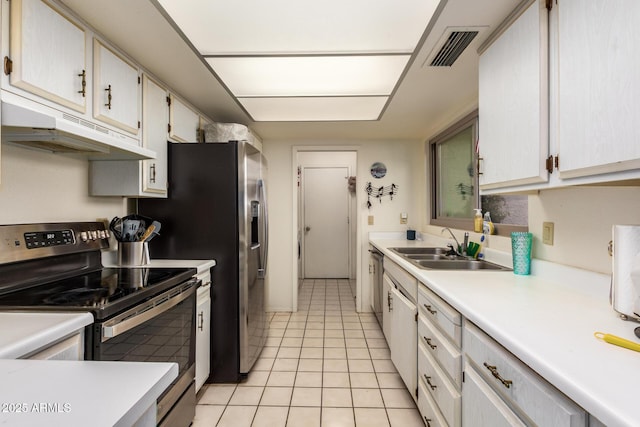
pixel 477 221
pixel 487 225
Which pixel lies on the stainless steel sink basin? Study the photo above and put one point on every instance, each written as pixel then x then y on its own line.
pixel 458 264
pixel 436 258
pixel 420 251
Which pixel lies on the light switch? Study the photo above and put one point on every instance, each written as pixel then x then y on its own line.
pixel 403 217
pixel 370 220
pixel 547 233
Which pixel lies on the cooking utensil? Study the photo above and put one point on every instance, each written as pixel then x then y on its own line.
pixel 116 228
pixel 130 229
pixel 615 340
pixel 156 230
pixel 147 233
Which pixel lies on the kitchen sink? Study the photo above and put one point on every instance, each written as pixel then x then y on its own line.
pixel 437 258
pixel 458 264
pixel 420 251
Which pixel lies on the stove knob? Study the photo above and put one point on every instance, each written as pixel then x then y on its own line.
pixel 101 234
pixel 94 235
pixel 107 234
pixel 83 236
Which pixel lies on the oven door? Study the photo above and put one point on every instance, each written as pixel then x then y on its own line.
pixel 161 329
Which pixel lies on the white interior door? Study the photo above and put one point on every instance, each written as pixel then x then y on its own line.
pixel 325 227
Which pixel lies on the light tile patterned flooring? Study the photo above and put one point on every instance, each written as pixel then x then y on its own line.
pixel 325 365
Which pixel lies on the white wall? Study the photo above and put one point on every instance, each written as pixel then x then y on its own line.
pixel 401 158
pixel 39 186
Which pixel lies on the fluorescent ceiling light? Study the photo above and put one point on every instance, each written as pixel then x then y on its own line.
pixel 294 26
pixel 314 108
pixel 310 75
pixel 301 60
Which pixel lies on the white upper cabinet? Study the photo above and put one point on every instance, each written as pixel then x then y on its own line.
pixel 139 178
pixel 116 89
pixel 513 103
pixel 155 116
pixel 184 122
pixel 586 127
pixel 48 54
pixel 598 86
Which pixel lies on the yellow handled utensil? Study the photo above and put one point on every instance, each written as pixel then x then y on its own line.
pixel 615 340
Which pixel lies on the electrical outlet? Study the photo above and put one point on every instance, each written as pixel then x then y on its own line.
pixel 403 218
pixel 370 220
pixel 547 233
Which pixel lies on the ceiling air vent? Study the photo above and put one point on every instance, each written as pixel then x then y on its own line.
pixel 452 48
pixel 451 45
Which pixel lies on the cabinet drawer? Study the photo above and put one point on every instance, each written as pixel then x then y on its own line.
pixel 448 356
pixel 444 393
pixel 441 314
pixel 400 275
pixel 431 415
pixel 536 398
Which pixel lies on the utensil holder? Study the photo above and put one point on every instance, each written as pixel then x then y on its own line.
pixel 521 251
pixel 133 254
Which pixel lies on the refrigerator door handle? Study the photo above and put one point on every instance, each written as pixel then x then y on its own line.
pixel 262 270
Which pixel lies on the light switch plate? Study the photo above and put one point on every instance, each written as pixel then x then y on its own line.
pixel 370 220
pixel 547 233
pixel 403 218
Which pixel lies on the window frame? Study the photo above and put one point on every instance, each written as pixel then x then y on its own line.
pixel 470 119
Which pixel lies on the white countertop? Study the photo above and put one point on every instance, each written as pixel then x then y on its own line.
pixel 79 393
pixel 22 333
pixel 548 320
pixel 110 259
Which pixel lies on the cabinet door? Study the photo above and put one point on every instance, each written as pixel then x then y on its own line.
pixel 404 339
pixel 184 123
pixel 386 308
pixel 481 406
pixel 116 89
pixel 155 116
pixel 513 103
pixel 48 53
pixel 203 340
pixel 598 89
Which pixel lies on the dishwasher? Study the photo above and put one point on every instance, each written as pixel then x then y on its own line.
pixel 375 273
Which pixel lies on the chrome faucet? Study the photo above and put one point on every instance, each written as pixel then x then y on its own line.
pixel 456 250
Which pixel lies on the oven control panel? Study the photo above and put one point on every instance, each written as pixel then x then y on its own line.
pixel 29 241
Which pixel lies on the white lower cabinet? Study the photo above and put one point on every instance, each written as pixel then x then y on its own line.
pixel 439 360
pixel 71 348
pixel 495 380
pixel 482 406
pixel 203 331
pixel 403 338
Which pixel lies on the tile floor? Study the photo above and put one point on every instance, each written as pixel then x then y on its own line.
pixel 325 365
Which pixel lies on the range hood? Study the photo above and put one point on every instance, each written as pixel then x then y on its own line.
pixel 34 125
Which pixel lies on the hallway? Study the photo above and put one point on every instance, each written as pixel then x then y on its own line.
pixel 325 365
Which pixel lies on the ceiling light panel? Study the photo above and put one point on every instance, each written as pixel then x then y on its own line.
pixel 310 75
pixel 314 109
pixel 294 26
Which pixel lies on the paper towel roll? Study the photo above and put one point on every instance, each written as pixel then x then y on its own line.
pixel 625 283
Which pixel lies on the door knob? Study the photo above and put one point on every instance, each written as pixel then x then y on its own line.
pixel 307 228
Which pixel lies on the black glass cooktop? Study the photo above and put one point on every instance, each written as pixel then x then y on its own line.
pixel 103 292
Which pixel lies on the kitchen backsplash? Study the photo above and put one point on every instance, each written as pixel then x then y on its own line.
pixel 39 186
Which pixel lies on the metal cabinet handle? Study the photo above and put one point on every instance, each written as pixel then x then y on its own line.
pixel 494 372
pixel 479 169
pixel 427 420
pixel 428 380
pixel 84 83
pixel 201 321
pixel 428 340
pixel 389 300
pixel 109 97
pixel 429 309
pixel 152 170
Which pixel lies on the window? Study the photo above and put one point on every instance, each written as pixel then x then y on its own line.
pixel 454 183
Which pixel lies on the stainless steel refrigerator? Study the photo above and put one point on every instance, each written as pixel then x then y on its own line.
pixel 216 209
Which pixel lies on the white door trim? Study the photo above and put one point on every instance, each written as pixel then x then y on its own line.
pixel 294 241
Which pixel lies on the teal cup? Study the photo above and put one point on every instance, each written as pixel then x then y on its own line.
pixel 521 250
